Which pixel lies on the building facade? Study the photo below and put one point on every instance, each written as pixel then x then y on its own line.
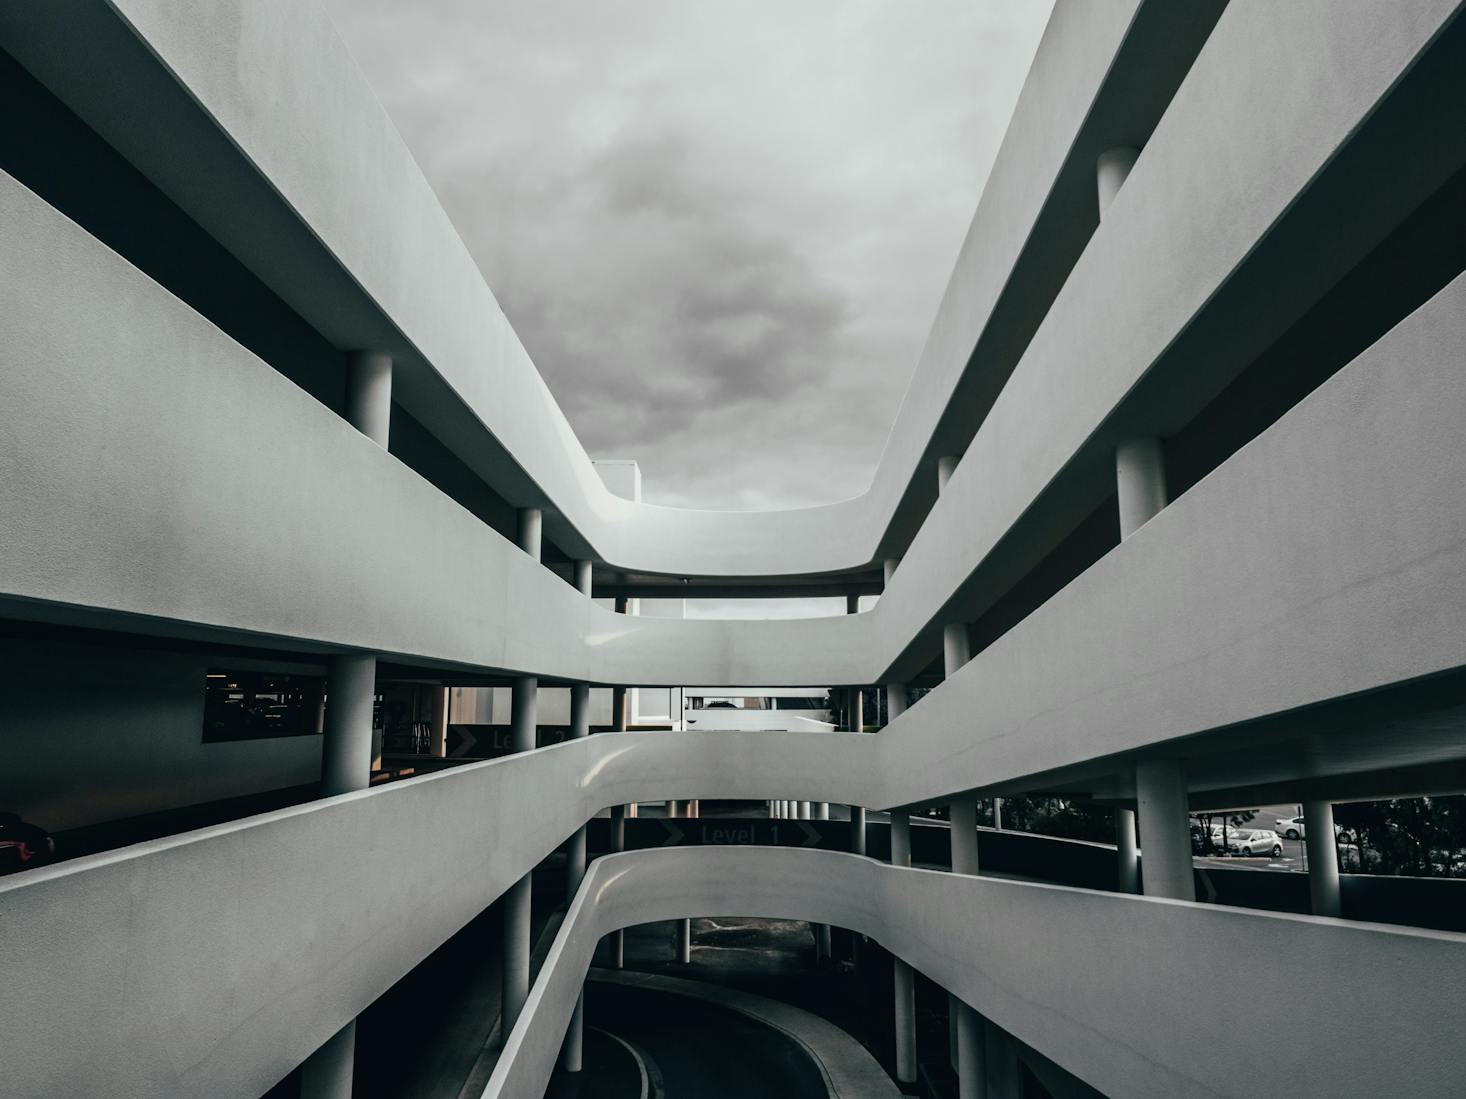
pixel 1172 517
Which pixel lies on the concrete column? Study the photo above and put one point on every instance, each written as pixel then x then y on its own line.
pixel 895 700
pixel 524 713
pixel 572 1054
pixel 963 815
pixel 618 828
pixel 618 843
pixel 523 729
pixel 888 570
pixel 968 1035
pixel 621 709
pixel 346 759
pixel 1111 172
pixel 1004 1078
pixel 531 523
pixel 581 577
pixel 945 468
pixel 438 741
pixel 905 977
pixel 806 810
pixel 620 719
pixel 1140 478
pixel 346 755
pixel 1127 852
pixel 1141 482
pixel 1165 835
pixel 956 649
pixel 516 898
pixel 516 952
pixel 822 942
pixel 682 808
pixel 971 1054
pixel 1140 468
pixel 579 728
pixel 997 814
pixel 369 394
pixel 1323 858
pixel 327 1073
pixel 857 829
pixel 857 812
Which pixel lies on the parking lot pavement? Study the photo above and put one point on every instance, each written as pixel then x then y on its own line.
pixel 1267 817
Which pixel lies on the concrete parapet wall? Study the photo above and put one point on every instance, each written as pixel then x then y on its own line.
pixel 1115 1000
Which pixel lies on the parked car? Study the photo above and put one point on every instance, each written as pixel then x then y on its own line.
pixel 1292 827
pixel 1199 844
pixel 1256 841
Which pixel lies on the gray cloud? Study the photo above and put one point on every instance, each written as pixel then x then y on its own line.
pixel 721 230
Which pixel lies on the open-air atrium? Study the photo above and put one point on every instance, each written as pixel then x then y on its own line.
pixel 323 673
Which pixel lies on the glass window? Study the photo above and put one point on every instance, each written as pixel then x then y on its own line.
pixel 255 705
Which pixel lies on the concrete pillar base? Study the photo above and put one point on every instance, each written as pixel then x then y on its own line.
pixel 905 1017
pixel 572 1054
pixel 516 952
pixel 971 1054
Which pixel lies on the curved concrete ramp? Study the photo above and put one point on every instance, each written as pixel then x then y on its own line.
pixel 849 1070
pixel 1113 1001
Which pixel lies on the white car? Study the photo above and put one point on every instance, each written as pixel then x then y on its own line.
pixel 1292 827
pixel 1256 841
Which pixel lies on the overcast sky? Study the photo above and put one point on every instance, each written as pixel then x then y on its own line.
pixel 721 229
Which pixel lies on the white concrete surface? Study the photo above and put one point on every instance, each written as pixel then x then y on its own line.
pixel 1121 1017
pixel 344 172
pixel 1146 272
pixel 1324 559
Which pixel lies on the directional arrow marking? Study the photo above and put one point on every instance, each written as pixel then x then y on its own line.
pixel 469 740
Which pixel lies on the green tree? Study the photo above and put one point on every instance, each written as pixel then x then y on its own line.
pixel 1417 837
